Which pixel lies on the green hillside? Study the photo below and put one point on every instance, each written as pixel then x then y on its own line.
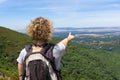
pixel 79 62
pixel 11 42
pixel 82 63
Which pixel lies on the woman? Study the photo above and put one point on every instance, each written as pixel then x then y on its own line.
pixel 40 30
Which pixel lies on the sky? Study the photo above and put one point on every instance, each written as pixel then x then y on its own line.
pixel 17 14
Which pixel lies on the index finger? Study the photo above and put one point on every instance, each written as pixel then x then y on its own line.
pixel 69 33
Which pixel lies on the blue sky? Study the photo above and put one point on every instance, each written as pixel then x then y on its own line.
pixel 17 14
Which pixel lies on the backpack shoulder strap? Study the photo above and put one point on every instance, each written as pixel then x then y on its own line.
pixel 28 49
pixel 48 50
pixel 49 54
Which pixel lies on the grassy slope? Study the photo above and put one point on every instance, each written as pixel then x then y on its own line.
pixel 11 43
pixel 89 64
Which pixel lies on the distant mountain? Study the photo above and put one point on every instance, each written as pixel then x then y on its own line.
pixel 89 29
pixel 75 29
pixel 92 32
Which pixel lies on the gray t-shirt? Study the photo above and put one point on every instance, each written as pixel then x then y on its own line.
pixel 57 53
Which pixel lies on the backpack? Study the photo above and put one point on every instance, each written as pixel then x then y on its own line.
pixel 41 65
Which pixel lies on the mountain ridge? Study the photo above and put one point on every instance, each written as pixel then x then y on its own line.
pixel 82 29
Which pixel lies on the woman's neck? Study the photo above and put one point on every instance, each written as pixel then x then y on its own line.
pixel 40 43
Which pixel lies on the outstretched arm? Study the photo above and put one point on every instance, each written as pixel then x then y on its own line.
pixel 67 40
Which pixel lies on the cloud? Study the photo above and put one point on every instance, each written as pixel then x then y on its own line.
pixel 89 19
pixel 66 6
pixel 78 13
pixel 1 1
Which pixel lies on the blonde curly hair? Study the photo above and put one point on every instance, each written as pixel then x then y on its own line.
pixel 40 29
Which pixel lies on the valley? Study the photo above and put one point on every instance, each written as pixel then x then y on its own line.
pixel 98 38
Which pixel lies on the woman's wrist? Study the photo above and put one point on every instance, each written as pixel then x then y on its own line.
pixel 20 75
pixel 69 38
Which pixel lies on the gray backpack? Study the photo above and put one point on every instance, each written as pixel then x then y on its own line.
pixel 41 65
